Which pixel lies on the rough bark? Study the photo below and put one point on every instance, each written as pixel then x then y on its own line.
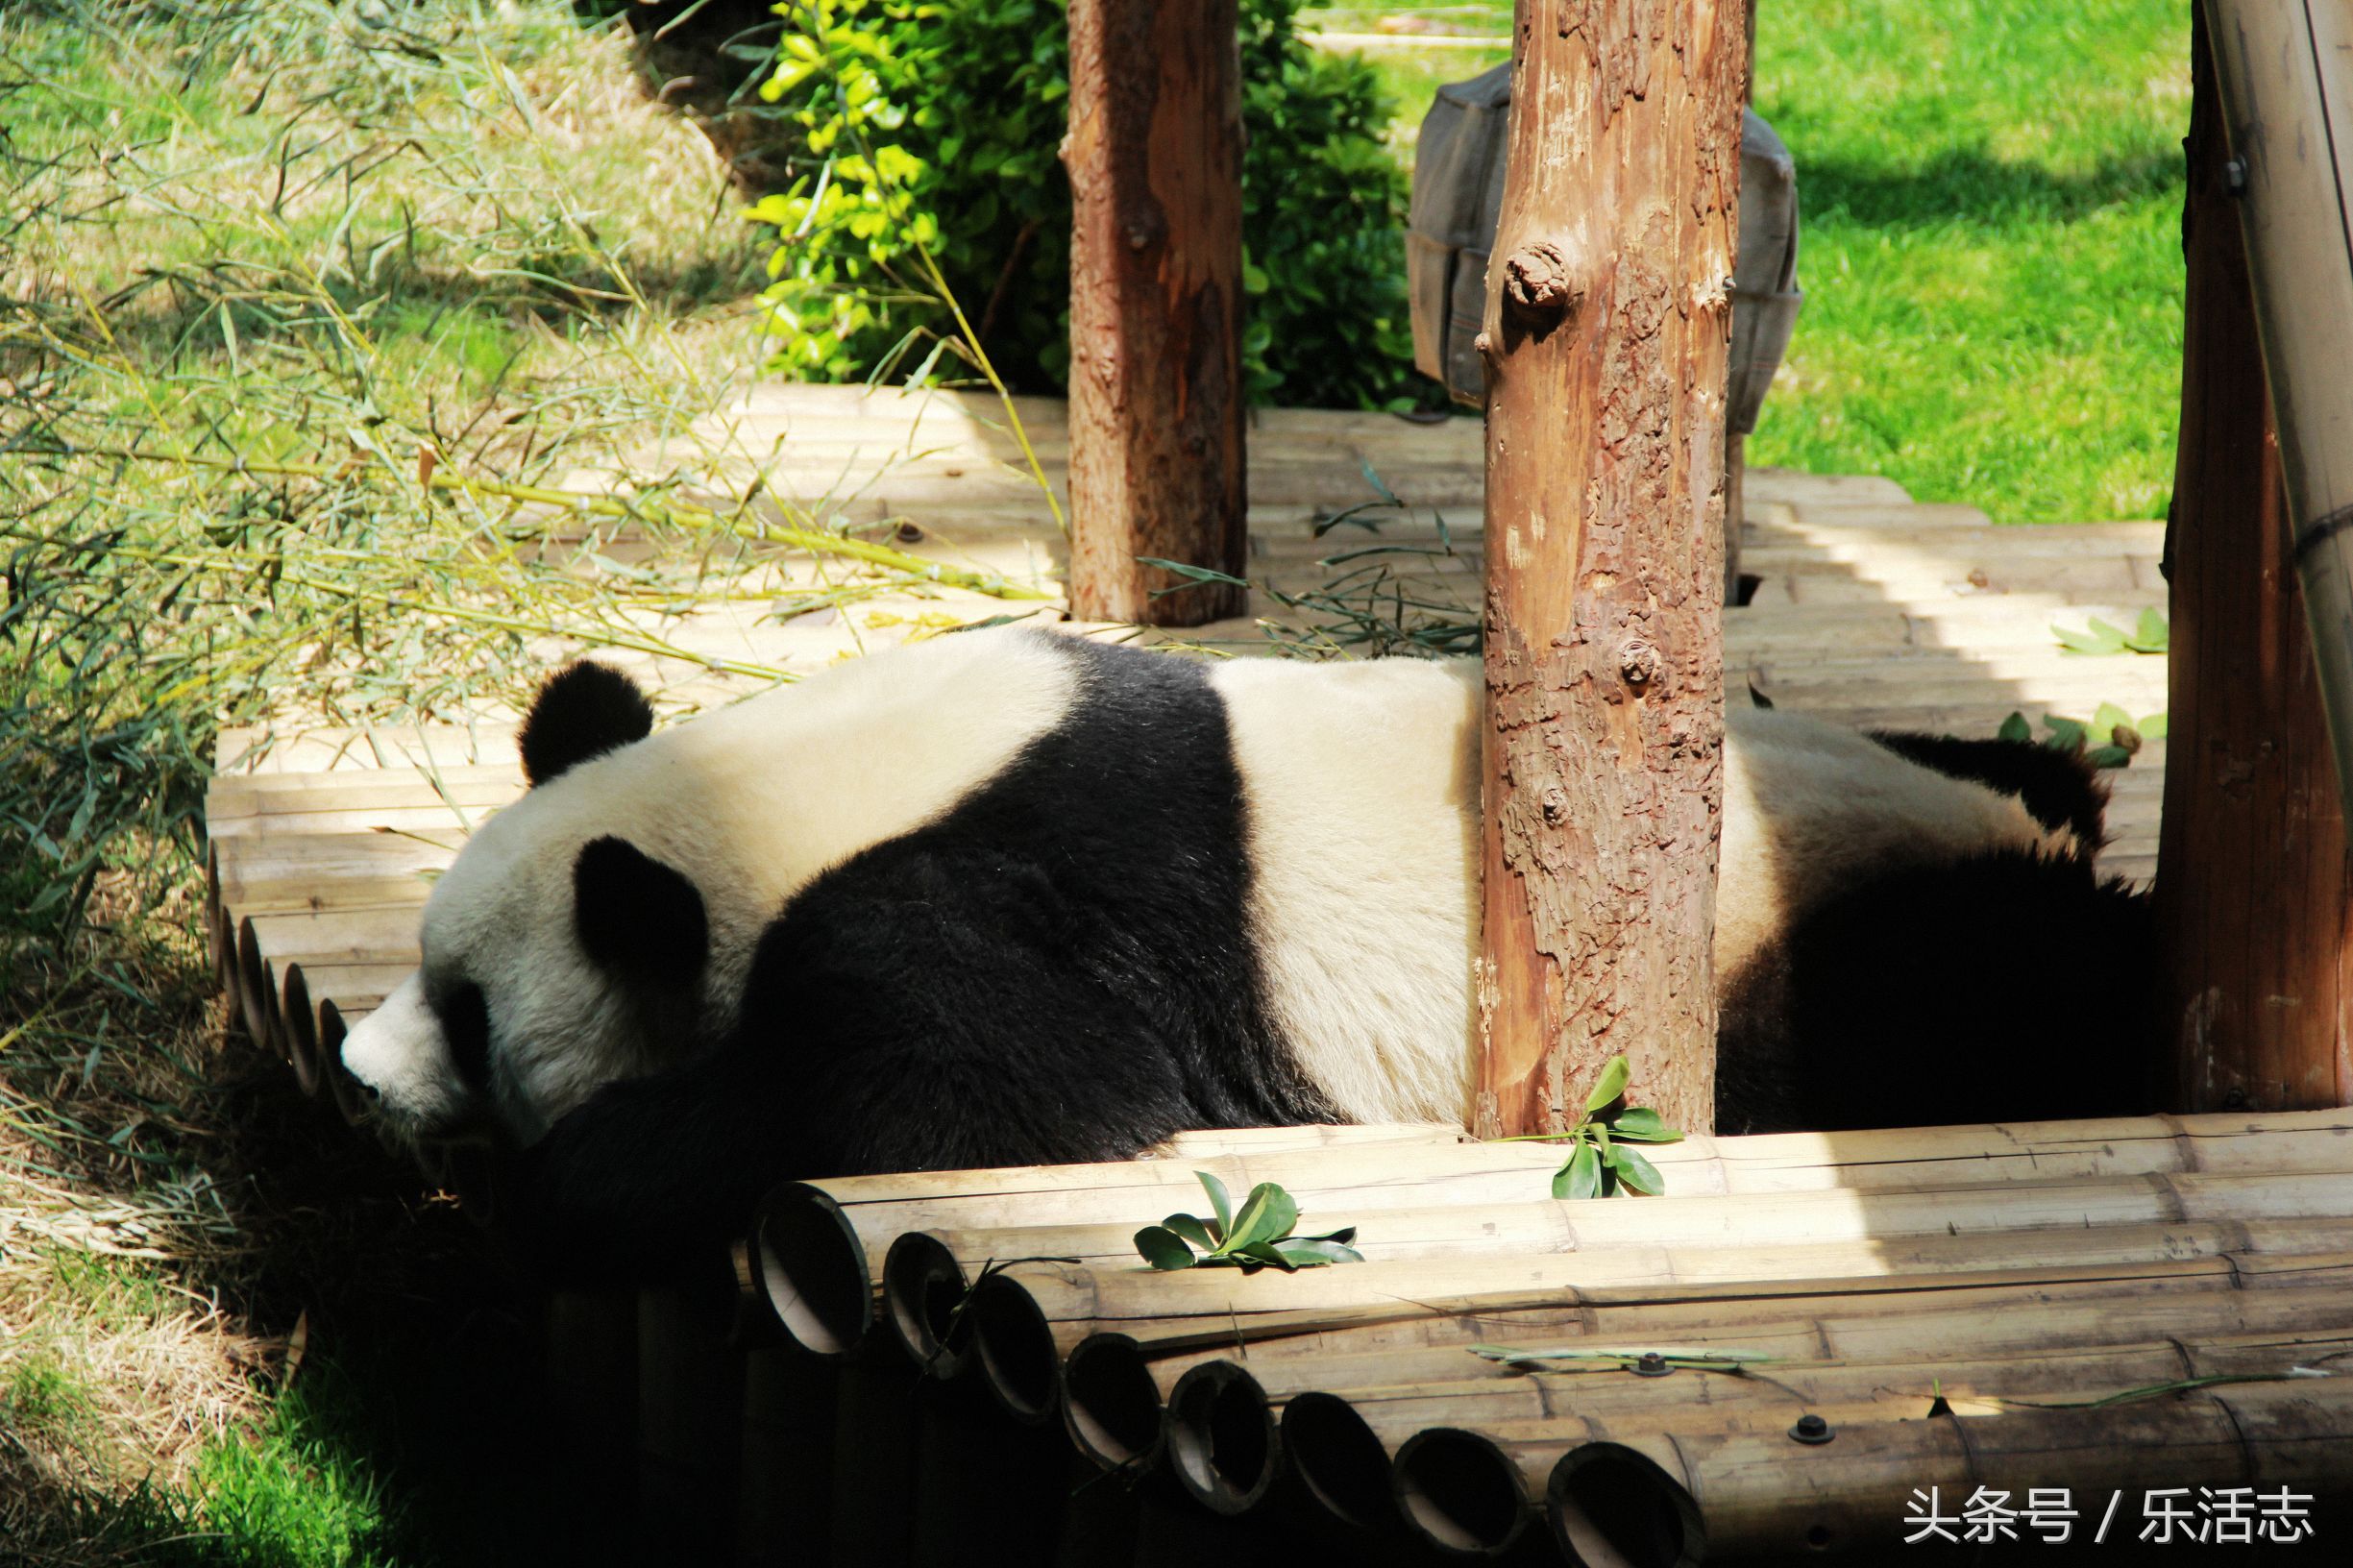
pixel 1607 332
pixel 1156 301
pixel 2252 880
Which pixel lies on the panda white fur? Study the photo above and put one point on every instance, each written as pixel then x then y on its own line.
pixel 1015 897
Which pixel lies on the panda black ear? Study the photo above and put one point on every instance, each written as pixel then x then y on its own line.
pixel 636 917
pixel 583 711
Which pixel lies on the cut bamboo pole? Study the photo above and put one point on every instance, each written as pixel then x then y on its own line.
pixel 981 1479
pixel 1993 1325
pixel 220 944
pixel 1460 1493
pixel 590 1364
pixel 351 1101
pixel 298 1020
pixel 1547 1225
pixel 1223 1444
pixel 690 1425
pixel 1026 1318
pixel 873 1459
pixel 866 1214
pixel 784 1488
pixel 1113 1391
pixel 1765 1494
pixel 1341 1447
pixel 254 992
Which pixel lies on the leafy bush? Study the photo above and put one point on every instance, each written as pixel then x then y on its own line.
pixel 925 169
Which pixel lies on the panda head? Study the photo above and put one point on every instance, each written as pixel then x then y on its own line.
pixel 557 953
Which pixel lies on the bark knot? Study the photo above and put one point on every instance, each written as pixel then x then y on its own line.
pixel 1537 288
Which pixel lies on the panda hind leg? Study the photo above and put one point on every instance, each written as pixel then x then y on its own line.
pixel 2007 987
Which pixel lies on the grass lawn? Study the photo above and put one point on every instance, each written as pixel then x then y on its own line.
pixel 1991 202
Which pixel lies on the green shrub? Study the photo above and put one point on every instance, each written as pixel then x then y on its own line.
pixel 933 129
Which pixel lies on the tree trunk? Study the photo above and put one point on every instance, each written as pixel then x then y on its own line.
pixel 1608 331
pixel 1156 304
pixel 2252 883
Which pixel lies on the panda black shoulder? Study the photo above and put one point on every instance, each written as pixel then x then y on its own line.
pixel 2059 789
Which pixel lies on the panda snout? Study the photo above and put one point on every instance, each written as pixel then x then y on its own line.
pixel 399 1059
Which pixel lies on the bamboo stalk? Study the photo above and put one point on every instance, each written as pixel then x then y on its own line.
pixel 807 1262
pixel 1003 1209
pixel 1764 1494
pixel 351 1101
pixel 1113 1391
pixel 299 1023
pixel 1546 1225
pixel 1460 1493
pixel 1341 1448
pixel 253 990
pixel 980 1478
pixel 690 1427
pixel 590 1366
pixel 1913 1334
pixel 219 942
pixel 1223 1445
pixel 873 1459
pixel 785 1481
pixel 924 1289
pixel 1027 1316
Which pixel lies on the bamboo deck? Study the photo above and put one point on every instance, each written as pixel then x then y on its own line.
pixel 2074 1260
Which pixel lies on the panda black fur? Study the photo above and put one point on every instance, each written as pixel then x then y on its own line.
pixel 1012 897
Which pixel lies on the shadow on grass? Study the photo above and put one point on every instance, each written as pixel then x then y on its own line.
pixel 1977 187
pixel 411 1430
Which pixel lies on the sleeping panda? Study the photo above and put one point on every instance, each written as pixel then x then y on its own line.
pixel 1016 898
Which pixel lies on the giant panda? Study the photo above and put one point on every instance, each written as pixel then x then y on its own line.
pixel 1014 897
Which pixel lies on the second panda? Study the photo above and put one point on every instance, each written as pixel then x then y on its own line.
pixel 1015 897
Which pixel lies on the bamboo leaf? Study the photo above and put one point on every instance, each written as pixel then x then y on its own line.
pixel 1312 1253
pixel 2015 729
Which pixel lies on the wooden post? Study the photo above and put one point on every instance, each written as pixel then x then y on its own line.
pixel 2252 882
pixel 1156 307
pixel 1608 331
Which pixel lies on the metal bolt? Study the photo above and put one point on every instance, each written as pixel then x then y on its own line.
pixel 1639 663
pixel 1651 1364
pixel 2234 176
pixel 1812 1429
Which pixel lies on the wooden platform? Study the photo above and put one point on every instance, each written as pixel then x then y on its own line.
pixel 1873 609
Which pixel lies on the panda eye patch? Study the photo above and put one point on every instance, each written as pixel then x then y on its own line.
pixel 465 1024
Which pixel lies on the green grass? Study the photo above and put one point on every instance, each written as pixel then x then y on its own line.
pixel 1991 199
